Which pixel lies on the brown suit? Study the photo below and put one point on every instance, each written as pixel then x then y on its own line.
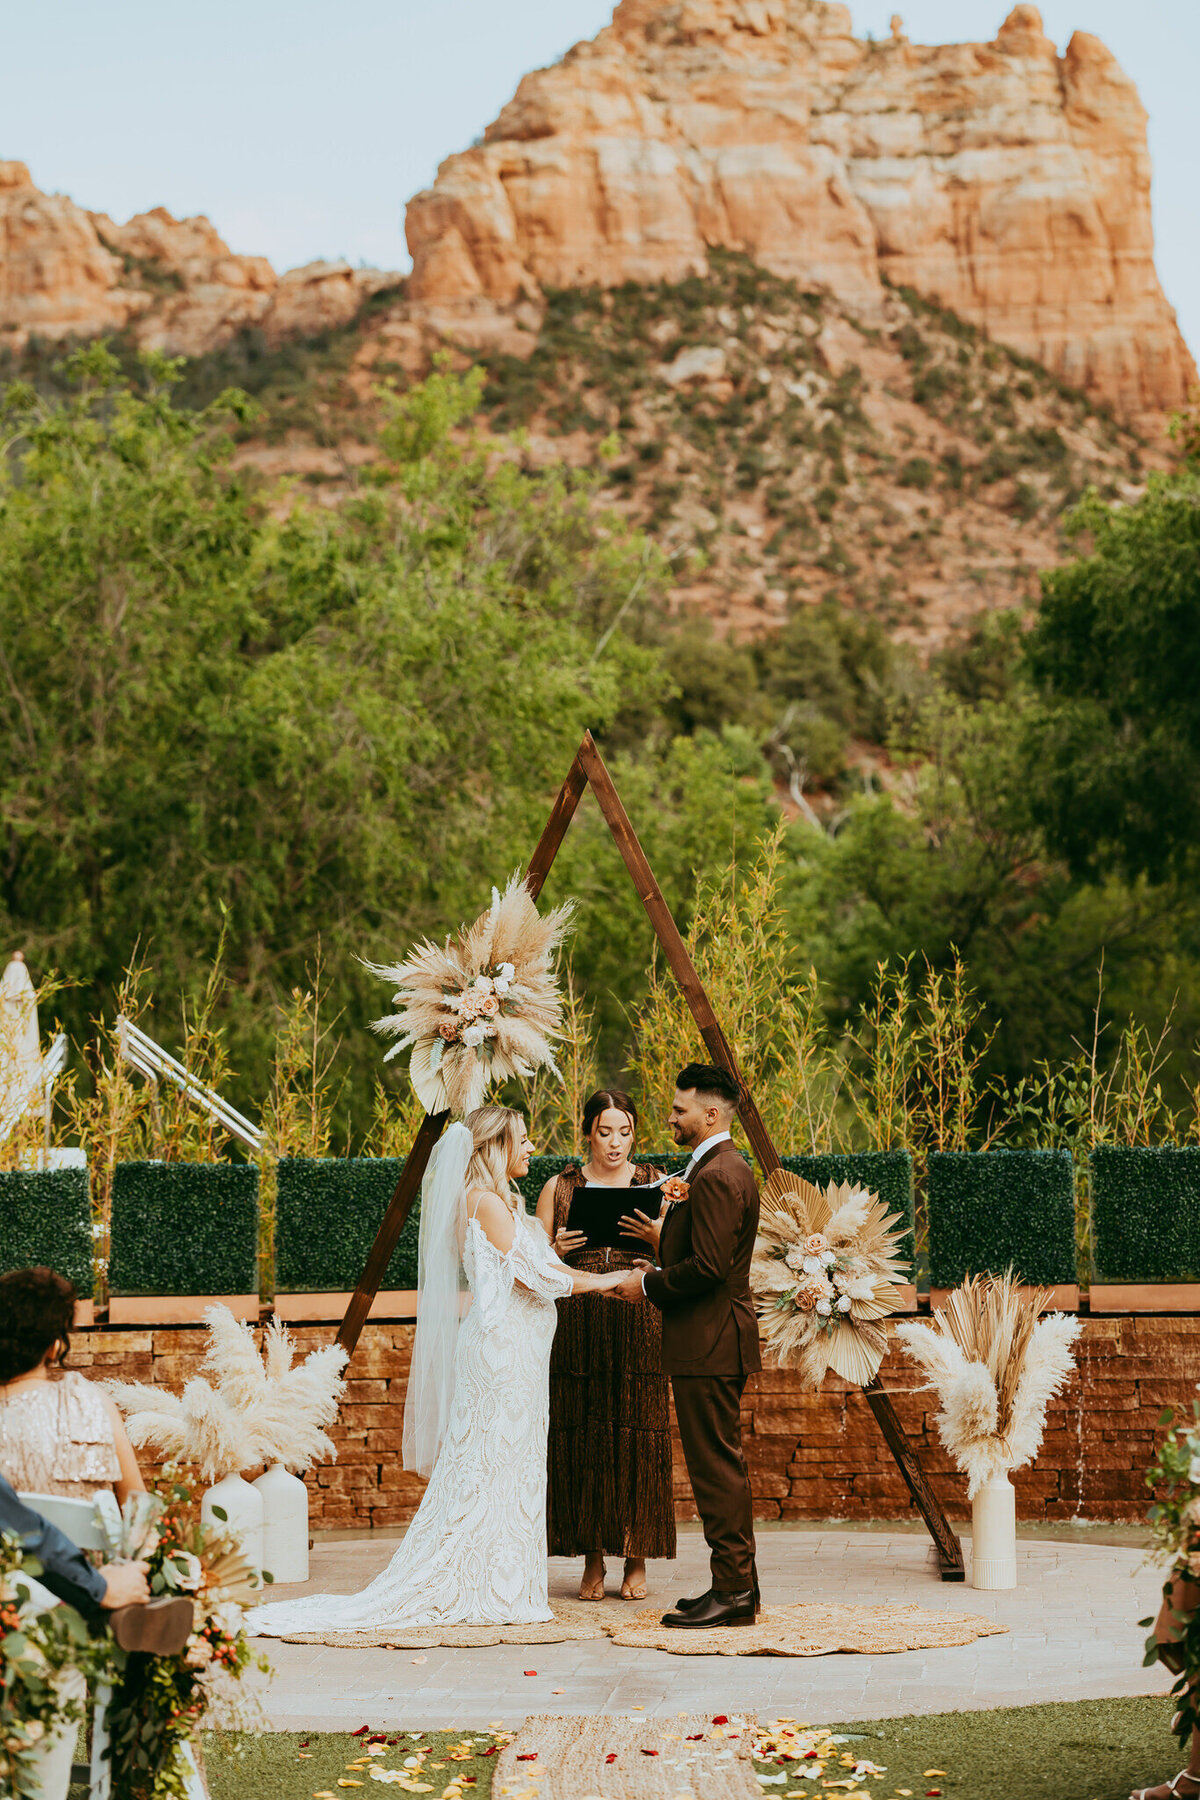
pixel 709 1347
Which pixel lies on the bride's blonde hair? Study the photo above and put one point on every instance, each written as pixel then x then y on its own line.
pixel 496 1133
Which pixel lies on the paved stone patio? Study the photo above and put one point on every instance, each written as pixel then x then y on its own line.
pixel 1072 1635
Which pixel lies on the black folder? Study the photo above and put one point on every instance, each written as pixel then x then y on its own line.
pixel 598 1211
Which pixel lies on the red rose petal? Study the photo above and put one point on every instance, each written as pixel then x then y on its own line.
pixel 527 1756
pixel 361 1732
pixel 531 1671
pixel 646 1752
pixel 721 1719
pixel 611 1757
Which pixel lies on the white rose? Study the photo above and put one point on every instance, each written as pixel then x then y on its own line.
pixel 508 970
pixel 183 1570
pixel 824 1308
pixel 812 1265
pixel 828 1259
pixel 473 1036
pixel 501 984
pixel 794 1258
pixel 843 1304
pixel 484 983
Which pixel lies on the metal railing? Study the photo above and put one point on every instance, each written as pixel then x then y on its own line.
pixel 151 1060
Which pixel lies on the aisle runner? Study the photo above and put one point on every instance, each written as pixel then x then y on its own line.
pixel 686 1758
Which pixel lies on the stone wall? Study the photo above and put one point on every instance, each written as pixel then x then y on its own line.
pixel 811 1456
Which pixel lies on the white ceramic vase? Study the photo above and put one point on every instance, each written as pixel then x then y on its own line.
pixel 994 1535
pixel 285 1524
pixel 243 1508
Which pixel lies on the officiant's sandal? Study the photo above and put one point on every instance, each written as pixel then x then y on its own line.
pixel 1172 1787
pixel 633 1587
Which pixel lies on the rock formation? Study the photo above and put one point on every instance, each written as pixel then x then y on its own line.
pixel 173 283
pixel 1004 181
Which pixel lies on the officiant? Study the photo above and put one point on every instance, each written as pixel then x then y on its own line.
pixel 609 1491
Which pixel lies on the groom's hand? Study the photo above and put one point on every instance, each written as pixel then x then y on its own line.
pixel 630 1286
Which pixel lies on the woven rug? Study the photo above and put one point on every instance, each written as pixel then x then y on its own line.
pixel 811 1631
pixel 626 1759
pixel 572 1619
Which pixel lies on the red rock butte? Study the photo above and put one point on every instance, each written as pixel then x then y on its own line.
pixel 1000 179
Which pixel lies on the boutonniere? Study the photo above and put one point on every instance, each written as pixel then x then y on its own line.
pixel 674 1190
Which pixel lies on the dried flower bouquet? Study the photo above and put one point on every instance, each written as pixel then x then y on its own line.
pixel 995 1364
pixel 823 1276
pixel 482 1007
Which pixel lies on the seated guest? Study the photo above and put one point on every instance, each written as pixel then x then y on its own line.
pixel 59 1433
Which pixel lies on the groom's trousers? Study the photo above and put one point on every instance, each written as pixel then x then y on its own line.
pixel 708 1409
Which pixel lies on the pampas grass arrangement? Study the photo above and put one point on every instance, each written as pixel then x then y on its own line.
pixel 823 1276
pixel 256 1409
pixel 482 1007
pixel 995 1364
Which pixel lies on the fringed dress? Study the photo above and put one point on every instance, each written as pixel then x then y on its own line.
pixel 609 1486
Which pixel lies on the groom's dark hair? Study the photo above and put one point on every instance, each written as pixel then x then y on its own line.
pixel 709 1083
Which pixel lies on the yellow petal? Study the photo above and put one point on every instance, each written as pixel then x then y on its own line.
pixel 935 1771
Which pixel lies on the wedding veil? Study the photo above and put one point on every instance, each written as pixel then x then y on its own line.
pixel 440 1284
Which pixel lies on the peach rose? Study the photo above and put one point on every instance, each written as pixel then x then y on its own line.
pixel 811 1292
pixel 815 1244
pixel 489 1007
pixel 448 1030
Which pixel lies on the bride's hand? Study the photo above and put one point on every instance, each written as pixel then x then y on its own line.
pixel 640 1225
pixel 566 1243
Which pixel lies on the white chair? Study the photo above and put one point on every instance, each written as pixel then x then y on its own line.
pixel 81 1521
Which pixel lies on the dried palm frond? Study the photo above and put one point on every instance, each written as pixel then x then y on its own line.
pixel 995 1364
pixel 481 1008
pixel 255 1413
pixel 823 1276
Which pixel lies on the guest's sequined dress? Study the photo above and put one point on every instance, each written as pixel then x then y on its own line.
pixel 56 1437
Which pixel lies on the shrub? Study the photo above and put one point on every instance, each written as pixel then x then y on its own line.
pixel 327 1212
pixel 184 1228
pixel 998 1209
pixel 45 1218
pixel 1145 1214
pixel 917 473
pixel 888 1173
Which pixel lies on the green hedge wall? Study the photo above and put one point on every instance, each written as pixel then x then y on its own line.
pixel 1145 1214
pixel 888 1173
pixel 997 1209
pixel 46 1219
pixel 184 1228
pixel 327 1213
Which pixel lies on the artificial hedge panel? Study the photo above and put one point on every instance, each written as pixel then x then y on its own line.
pixel 46 1220
pixel 327 1212
pixel 992 1210
pixel 1145 1214
pixel 887 1173
pixel 184 1228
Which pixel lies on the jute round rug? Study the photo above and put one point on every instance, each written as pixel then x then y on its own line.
pixel 812 1631
pixel 780 1631
pixel 572 1619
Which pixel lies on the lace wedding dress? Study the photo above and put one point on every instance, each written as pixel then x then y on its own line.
pixel 476 1551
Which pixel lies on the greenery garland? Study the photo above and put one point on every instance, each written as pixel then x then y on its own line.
pixel 1175 1528
pixel 35 1647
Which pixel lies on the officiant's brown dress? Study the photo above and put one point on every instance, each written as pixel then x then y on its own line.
pixel 609 1455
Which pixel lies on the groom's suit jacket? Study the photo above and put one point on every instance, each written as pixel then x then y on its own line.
pixel 702 1286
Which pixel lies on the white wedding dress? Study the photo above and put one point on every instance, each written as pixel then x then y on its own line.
pixel 475 1554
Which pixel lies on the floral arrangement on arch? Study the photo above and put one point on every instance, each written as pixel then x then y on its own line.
pixel 482 1007
pixel 823 1276
pixel 160 1703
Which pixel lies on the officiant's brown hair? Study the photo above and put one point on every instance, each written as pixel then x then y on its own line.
pixel 600 1101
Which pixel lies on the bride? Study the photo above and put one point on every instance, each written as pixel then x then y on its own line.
pixel 477 1406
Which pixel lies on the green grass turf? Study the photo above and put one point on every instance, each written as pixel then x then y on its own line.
pixel 1082 1750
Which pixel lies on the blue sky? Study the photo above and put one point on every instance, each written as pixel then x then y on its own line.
pixel 302 129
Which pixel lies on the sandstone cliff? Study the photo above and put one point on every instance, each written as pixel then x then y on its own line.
pixel 1007 183
pixel 174 283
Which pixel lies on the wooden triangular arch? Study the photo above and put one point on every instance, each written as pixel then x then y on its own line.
pixel 588 769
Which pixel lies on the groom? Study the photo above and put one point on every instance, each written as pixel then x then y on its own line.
pixel 710 1336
